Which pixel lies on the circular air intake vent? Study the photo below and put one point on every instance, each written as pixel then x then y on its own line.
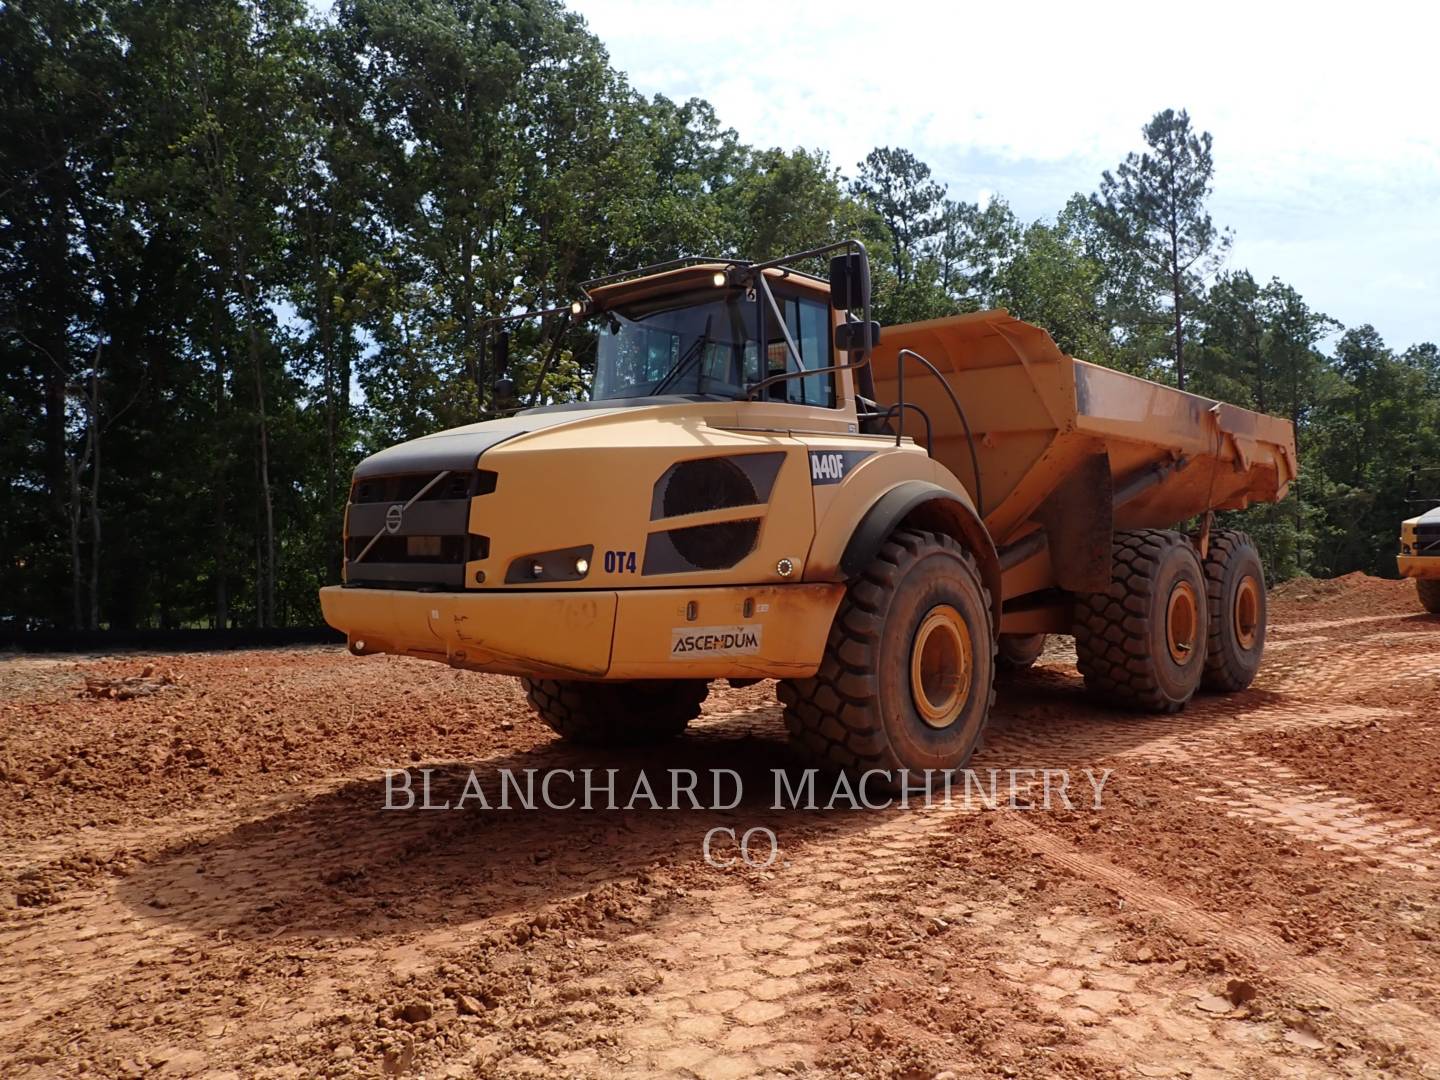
pixel 716 547
pixel 706 484
pixel 693 487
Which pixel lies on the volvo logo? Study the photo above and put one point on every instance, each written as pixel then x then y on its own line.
pixel 393 517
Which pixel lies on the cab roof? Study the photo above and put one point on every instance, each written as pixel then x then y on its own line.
pixel 639 285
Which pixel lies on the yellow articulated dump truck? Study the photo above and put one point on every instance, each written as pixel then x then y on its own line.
pixel 1419 556
pixel 763 486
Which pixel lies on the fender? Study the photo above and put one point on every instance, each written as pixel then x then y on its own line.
pixel 927 506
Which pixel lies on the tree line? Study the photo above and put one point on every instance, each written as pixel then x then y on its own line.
pixel 243 244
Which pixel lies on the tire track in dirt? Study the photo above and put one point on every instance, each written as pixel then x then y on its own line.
pixel 1272 794
pixel 339 912
pixel 1341 990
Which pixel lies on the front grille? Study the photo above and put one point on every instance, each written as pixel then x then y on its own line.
pixel 394 543
pixel 401 489
pixel 418 549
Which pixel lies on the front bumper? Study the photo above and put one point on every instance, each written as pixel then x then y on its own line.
pixel 1419 566
pixel 772 631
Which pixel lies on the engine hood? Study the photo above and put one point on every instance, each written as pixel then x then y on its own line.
pixel 458 449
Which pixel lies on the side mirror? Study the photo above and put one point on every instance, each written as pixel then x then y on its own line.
pixel 849 282
pixel 502 352
pixel 503 392
pixel 857 336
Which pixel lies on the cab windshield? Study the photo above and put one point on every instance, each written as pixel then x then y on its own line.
pixel 710 347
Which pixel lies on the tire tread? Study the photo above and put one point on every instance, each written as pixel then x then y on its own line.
pixel 833 716
pixel 616 714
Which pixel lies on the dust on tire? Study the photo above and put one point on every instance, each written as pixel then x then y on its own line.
pixel 856 711
pixel 1231 657
pixel 1120 634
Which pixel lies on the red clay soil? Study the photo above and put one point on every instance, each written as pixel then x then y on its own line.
pixel 203 880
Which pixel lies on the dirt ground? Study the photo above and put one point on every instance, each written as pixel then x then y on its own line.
pixel 202 880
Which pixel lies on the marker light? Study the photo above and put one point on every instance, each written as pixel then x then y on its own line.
pixel 582 566
pixel 576 308
pixel 719 279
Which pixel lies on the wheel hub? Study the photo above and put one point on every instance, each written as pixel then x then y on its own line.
pixel 1246 613
pixel 1182 622
pixel 941 666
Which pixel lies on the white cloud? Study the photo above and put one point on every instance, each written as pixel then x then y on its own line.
pixel 1321 112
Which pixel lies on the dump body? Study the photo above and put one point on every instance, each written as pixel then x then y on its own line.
pixel 1070 452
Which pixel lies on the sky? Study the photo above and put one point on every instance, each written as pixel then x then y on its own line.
pixel 1326 117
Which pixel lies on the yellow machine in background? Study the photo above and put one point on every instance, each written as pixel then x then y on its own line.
pixel 763 487
pixel 1419 556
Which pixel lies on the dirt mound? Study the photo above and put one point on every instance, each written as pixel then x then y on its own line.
pixel 1355 594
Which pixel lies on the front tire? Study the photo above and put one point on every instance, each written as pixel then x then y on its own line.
pixel 908 675
pixel 1235 594
pixel 636 713
pixel 1429 592
pixel 1141 643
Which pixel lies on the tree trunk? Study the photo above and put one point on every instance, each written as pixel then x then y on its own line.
pixel 1176 281
pixel 266 583
pixel 1179 344
pixel 54 338
pixel 77 573
pixel 95 493
pixel 219 478
pixel 55 456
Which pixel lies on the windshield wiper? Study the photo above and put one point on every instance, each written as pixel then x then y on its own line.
pixel 678 368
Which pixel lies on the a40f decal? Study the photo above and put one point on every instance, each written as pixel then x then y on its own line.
pixel 831 466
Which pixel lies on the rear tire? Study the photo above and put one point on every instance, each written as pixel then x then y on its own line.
pixel 616 713
pixel 1429 592
pixel 1141 643
pixel 908 675
pixel 1018 652
pixel 1235 595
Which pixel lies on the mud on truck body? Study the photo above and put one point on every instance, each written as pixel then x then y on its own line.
pixel 763 485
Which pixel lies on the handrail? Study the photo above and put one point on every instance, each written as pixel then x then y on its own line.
pixel 959 410
pixel 899 406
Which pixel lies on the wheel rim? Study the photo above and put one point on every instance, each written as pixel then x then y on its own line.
pixel 1182 622
pixel 941 663
pixel 1246 613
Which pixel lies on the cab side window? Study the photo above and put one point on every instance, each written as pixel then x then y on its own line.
pixel 809 324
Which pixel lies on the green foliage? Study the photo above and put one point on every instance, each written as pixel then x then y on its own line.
pixel 1153 207
pixel 242 245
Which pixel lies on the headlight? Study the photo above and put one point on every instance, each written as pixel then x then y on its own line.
pixel 566 564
